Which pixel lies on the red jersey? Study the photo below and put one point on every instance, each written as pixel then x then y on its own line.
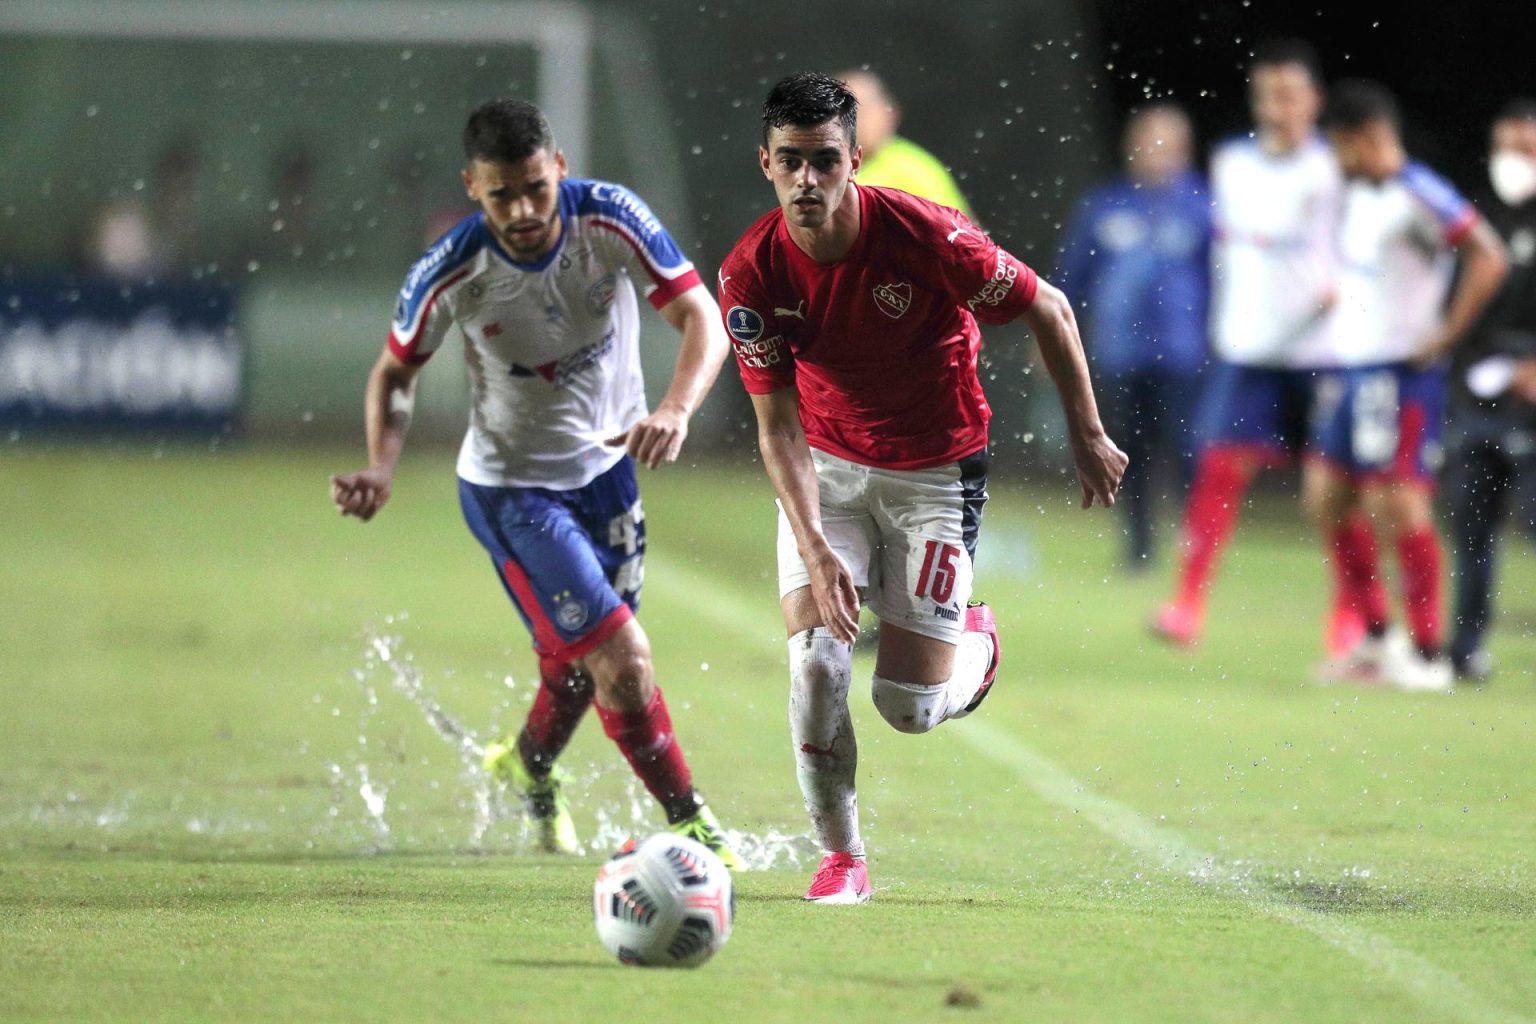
pixel 881 344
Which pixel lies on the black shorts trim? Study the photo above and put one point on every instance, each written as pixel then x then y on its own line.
pixel 973 496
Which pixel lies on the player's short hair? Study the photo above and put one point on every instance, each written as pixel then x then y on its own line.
pixel 1288 50
pixel 1357 102
pixel 809 98
pixel 506 131
pixel 1521 108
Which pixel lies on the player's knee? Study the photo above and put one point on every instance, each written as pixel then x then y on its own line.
pixel 1405 509
pixel 908 707
pixel 567 679
pixel 621 669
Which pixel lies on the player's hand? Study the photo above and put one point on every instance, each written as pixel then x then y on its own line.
pixel 363 493
pixel 1100 466
pixel 656 439
pixel 837 598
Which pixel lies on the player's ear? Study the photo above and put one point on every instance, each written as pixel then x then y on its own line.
pixel 855 159
pixel 762 161
pixel 560 165
pixel 469 185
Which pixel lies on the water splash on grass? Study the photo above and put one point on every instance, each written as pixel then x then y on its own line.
pixel 388 668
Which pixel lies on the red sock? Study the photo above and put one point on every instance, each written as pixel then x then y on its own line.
pixel 1220 481
pixel 1418 553
pixel 646 741
pixel 565 692
pixel 1357 568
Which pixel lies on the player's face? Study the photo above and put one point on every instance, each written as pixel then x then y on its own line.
pixel 1285 102
pixel 810 169
pixel 1512 160
pixel 521 200
pixel 878 116
pixel 1366 152
pixel 1157 147
pixel 1515 135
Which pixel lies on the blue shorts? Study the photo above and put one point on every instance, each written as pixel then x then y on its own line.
pixel 1256 407
pixel 1381 422
pixel 571 561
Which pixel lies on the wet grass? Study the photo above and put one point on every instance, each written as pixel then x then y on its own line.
pixel 194 718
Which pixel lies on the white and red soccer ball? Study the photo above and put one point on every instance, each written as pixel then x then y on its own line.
pixel 665 903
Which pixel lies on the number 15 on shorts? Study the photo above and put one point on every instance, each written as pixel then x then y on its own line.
pixel 936 580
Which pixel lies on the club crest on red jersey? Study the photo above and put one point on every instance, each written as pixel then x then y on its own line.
pixel 893 299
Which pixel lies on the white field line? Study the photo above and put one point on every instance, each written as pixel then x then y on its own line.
pixel 1431 985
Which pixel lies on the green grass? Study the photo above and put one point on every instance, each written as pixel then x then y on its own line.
pixel 191 713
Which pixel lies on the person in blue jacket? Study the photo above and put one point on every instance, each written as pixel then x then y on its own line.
pixel 1135 257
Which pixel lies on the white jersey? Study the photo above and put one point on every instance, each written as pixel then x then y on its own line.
pixel 1274 219
pixel 552 346
pixel 1397 243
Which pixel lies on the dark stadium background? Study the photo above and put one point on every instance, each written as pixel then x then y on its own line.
pixel 1023 99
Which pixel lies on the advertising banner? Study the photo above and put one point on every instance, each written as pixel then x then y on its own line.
pixel 97 353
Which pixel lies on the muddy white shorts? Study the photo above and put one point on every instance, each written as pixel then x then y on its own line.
pixel 908 536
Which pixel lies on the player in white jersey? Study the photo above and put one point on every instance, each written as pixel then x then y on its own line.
pixel 1276 196
pixel 540 283
pixel 1376 433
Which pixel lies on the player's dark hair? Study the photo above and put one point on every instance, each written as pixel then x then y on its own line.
pixel 1521 108
pixel 1357 102
pixel 1288 50
pixel 506 131
pixel 807 99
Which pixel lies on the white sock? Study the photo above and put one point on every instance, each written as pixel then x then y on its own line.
pixel 918 707
pixel 826 755
pixel 972 656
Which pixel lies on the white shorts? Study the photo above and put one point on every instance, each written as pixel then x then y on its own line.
pixel 908 536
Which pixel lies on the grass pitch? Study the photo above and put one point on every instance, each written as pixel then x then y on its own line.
pixel 235 784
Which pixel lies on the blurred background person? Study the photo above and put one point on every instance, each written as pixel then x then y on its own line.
pixel 1136 256
pixel 138 237
pixel 890 159
pixel 1491 435
pixel 1378 417
pixel 1275 195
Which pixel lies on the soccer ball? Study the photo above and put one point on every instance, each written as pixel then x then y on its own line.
pixel 665 903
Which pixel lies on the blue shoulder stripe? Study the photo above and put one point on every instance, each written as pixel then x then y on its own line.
pixel 1447 204
pixel 446 255
pixel 618 207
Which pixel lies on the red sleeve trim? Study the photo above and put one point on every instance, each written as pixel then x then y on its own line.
pixel 666 291
pixel 1457 232
pixel 407 354
pixel 405 351
pixel 663 284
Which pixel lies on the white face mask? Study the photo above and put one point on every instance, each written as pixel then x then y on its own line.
pixel 1513 176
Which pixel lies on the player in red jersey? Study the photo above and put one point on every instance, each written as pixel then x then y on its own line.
pixel 853 313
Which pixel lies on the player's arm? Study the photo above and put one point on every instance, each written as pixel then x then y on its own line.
pixel 387 406
pixel 1100 464
pixel 787 457
pixel 659 437
pixel 1484 265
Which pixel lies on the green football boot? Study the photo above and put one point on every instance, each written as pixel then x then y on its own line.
pixel 704 827
pixel 544 805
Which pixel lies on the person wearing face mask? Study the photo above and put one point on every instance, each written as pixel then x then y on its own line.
pixel 1491 437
